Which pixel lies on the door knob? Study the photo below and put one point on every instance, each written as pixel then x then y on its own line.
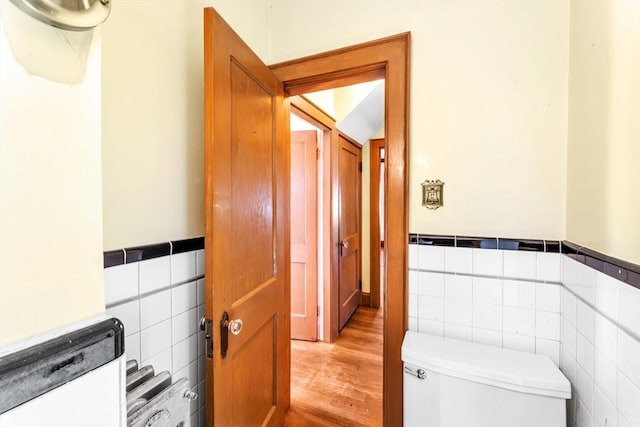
pixel 344 244
pixel 235 326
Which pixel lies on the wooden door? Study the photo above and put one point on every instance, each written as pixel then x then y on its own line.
pixel 349 202
pixel 304 231
pixel 247 276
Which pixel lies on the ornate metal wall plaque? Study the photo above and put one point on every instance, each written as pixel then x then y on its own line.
pixel 432 197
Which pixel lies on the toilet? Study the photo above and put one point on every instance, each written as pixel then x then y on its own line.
pixel 454 383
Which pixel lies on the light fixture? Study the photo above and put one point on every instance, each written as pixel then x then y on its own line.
pixel 75 15
pixel 432 194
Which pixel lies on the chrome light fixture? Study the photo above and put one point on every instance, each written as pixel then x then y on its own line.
pixel 432 194
pixel 74 15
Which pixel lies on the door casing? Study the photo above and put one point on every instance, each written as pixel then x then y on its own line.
pixel 386 58
pixel 374 201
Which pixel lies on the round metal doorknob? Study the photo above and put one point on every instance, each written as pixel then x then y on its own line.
pixel 235 326
pixel 344 244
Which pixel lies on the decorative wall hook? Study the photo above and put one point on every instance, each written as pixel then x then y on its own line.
pixel 432 194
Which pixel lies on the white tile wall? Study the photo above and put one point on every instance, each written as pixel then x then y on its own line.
pixel 497 297
pixel 600 347
pixel 161 328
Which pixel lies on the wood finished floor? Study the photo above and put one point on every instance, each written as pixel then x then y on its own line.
pixel 339 384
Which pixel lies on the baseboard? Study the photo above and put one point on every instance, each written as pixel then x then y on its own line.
pixel 365 299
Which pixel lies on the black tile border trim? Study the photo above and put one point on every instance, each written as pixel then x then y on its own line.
pixel 112 258
pixel 33 371
pixel 187 245
pixel 530 245
pixel 116 257
pixel 619 269
pixel 141 253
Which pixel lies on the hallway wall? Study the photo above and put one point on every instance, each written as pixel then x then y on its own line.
pixel 603 200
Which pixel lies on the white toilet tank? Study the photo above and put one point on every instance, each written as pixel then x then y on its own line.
pixel 464 384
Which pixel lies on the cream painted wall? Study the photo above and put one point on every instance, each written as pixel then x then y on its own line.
pixel 153 114
pixel 489 88
pixel 50 177
pixel 603 203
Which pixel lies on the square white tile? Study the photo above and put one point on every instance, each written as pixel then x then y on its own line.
pixel 458 332
pixel 413 326
pixel 458 287
pixel 519 342
pixel 432 327
pixel 183 267
pixel 413 256
pixel 200 292
pixel 586 284
pixel 129 314
pixel 519 293
pixel 154 274
pixel 458 312
pixel 458 260
pixel 132 347
pixel 606 338
pixel 629 315
pixel 548 325
pixel 584 387
pixel 548 297
pixel 568 365
pixel 585 321
pixel 200 266
pixel 548 266
pixel 604 411
pixel 414 283
pixel 431 308
pixel 629 357
pixel 487 262
pixel 605 375
pixel 413 305
pixel 520 264
pixel 120 283
pixel 431 258
pixel 183 298
pixel 607 295
pixel 568 305
pixel 185 352
pixel 583 415
pixel 628 397
pixel 549 348
pixel 487 316
pixel 155 339
pixel 585 355
pixel 431 284
pixel 184 325
pixel 487 290
pixel 568 336
pixel 519 321
pixel 155 309
pixel 486 336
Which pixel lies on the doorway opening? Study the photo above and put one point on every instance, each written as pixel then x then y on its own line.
pixel 348 369
pixel 389 59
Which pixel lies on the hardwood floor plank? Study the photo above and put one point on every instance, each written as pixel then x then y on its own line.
pixel 339 384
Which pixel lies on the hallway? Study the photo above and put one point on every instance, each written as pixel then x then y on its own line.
pixel 339 384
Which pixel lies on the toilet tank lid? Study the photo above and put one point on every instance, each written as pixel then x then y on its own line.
pixel 499 367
